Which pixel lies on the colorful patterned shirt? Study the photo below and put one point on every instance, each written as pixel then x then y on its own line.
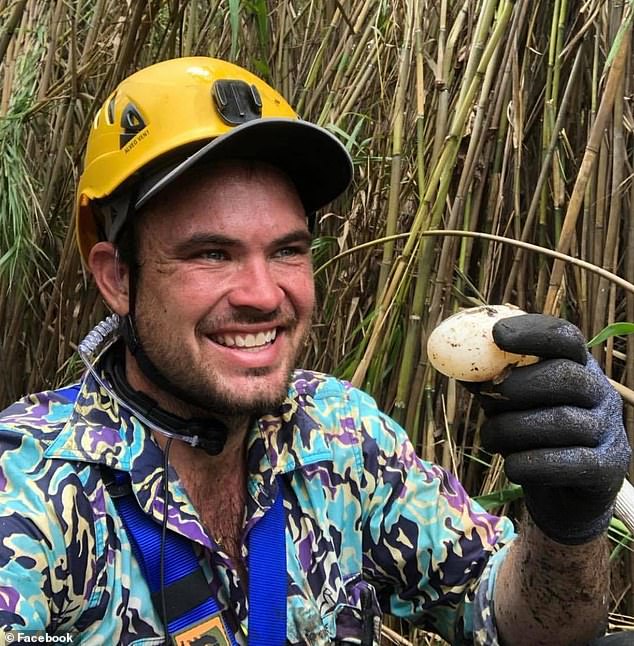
pixel 363 513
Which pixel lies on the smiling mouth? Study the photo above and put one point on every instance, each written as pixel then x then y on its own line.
pixel 246 342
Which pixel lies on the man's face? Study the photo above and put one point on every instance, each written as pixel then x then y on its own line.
pixel 225 290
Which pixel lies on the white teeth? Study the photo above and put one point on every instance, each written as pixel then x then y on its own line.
pixel 249 342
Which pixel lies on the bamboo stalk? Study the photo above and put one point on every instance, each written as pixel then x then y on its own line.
pixel 411 346
pixel 629 357
pixel 486 15
pixel 608 259
pixel 543 173
pixel 126 48
pixel 56 19
pixel 447 158
pixel 589 157
pixel 557 255
pixel 589 206
pixel 316 63
pixel 547 117
pixel 476 144
pixel 397 145
pixel 442 73
pixel 10 27
pixel 7 79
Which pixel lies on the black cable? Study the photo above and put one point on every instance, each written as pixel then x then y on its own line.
pixel 168 639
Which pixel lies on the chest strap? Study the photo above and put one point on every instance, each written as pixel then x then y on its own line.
pixel 192 611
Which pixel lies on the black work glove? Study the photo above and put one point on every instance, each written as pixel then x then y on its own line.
pixel 559 426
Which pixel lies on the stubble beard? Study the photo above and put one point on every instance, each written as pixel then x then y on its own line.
pixel 199 392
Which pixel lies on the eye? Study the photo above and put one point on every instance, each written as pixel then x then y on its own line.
pixel 291 251
pixel 214 254
pixel 286 252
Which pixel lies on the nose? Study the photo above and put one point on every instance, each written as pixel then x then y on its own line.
pixel 257 287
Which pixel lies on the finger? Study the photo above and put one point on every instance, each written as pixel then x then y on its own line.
pixel 544 336
pixel 577 467
pixel 553 382
pixel 558 427
pixel 566 467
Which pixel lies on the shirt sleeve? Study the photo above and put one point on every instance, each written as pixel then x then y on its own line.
pixel 23 575
pixel 427 547
pixel 37 591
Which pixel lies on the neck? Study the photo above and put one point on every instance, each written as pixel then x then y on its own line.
pixel 195 461
pixel 236 425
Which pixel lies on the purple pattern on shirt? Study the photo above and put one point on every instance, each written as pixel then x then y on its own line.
pixel 8 598
pixel 354 492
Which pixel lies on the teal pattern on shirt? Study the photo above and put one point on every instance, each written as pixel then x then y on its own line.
pixel 364 513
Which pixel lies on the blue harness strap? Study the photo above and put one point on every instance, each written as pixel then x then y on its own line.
pixel 69 392
pixel 267 576
pixel 188 600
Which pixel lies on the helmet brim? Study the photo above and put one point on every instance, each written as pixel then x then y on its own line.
pixel 316 162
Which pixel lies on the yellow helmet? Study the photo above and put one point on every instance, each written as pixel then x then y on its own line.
pixel 167 117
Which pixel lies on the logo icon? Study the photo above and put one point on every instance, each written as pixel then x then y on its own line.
pixel 210 632
pixel 131 124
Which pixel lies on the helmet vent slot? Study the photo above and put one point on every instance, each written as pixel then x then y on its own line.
pixel 110 111
pixel 131 123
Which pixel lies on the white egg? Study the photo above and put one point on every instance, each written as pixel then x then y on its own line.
pixel 462 345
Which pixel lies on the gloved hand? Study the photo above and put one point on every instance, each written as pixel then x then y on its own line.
pixel 559 426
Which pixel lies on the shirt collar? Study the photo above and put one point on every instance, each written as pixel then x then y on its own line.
pixel 102 432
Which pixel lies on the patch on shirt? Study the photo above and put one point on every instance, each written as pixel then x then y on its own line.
pixel 209 632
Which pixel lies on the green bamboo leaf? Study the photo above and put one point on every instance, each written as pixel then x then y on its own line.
pixel 619 531
pixel 258 10
pixel 234 20
pixel 620 535
pixel 623 29
pixel 321 247
pixel 351 135
pixel 615 329
pixel 500 497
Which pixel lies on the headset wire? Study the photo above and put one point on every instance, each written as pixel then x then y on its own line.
pixel 168 638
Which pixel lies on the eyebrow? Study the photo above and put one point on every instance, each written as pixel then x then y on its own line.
pixel 218 240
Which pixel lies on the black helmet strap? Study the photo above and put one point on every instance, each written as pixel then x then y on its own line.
pixel 210 433
pixel 146 365
pixel 214 428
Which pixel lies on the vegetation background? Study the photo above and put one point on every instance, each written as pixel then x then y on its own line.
pixel 500 120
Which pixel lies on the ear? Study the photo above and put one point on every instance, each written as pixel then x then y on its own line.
pixel 111 275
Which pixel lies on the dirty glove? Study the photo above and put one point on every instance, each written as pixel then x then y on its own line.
pixel 559 425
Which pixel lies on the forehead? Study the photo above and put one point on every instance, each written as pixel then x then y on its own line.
pixel 227 193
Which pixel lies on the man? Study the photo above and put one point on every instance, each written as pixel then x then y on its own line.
pixel 193 214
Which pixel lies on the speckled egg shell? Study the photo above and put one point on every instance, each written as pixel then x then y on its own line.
pixel 462 345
